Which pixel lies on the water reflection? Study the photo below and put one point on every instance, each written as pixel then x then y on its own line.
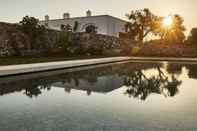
pixel 174 69
pixel 31 88
pixel 36 90
pixel 140 79
pixel 192 71
pixel 141 86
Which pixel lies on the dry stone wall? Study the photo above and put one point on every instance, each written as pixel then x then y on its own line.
pixel 14 42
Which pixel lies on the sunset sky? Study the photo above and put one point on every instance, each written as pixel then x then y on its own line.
pixel 14 10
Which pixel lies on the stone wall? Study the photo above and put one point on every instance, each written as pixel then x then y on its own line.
pixel 167 50
pixel 12 40
pixel 15 42
pixel 106 45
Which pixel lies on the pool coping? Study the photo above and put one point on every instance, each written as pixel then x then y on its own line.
pixel 48 66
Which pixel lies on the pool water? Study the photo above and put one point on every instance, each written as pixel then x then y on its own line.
pixel 127 96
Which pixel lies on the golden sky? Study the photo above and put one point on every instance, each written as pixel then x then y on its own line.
pixel 14 10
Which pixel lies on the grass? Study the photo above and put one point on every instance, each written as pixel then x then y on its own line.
pixel 29 60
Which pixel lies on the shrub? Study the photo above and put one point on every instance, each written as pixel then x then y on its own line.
pixel 63 41
pixel 193 36
pixel 135 50
pixel 76 25
pixel 36 33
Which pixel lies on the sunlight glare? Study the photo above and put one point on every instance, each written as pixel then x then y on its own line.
pixel 167 21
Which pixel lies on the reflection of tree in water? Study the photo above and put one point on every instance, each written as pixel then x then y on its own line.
pixel 174 68
pixel 141 86
pixel 31 88
pixel 89 92
pixel 192 70
pixel 67 89
pixel 36 90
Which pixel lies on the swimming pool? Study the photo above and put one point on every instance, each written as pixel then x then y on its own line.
pixel 129 96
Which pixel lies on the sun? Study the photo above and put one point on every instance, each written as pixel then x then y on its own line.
pixel 167 22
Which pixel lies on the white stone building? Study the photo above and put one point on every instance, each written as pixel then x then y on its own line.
pixel 105 24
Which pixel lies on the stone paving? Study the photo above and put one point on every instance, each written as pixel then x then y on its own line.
pixel 38 67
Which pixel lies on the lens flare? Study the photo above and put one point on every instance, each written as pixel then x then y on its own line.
pixel 167 21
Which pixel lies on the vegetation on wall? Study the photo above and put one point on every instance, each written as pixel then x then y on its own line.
pixel 35 32
pixel 69 44
pixel 76 25
pixel 63 41
pixel 66 28
pixel 30 38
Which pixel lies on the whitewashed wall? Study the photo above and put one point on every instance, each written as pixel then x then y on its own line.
pixel 115 25
pixel 107 25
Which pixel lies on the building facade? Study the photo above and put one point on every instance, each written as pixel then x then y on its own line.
pixel 103 24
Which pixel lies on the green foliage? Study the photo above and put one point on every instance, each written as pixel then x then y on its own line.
pixel 35 32
pixel 142 22
pixel 66 28
pixel 176 33
pixel 135 50
pixel 69 44
pixel 193 36
pixel 76 25
pixel 29 24
pixel 63 41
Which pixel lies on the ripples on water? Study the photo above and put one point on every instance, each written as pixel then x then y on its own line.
pixel 135 96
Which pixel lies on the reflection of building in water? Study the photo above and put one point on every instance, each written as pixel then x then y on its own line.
pixel 103 80
pixel 102 84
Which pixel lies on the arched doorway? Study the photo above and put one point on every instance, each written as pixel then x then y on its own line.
pixel 90 28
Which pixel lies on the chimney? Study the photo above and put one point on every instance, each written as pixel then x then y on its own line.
pixel 88 13
pixel 66 16
pixel 46 17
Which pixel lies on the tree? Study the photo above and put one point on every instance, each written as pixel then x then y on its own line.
pixel 76 24
pixel 142 22
pixel 35 32
pixel 175 34
pixel 63 41
pixel 193 36
pixel 66 28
